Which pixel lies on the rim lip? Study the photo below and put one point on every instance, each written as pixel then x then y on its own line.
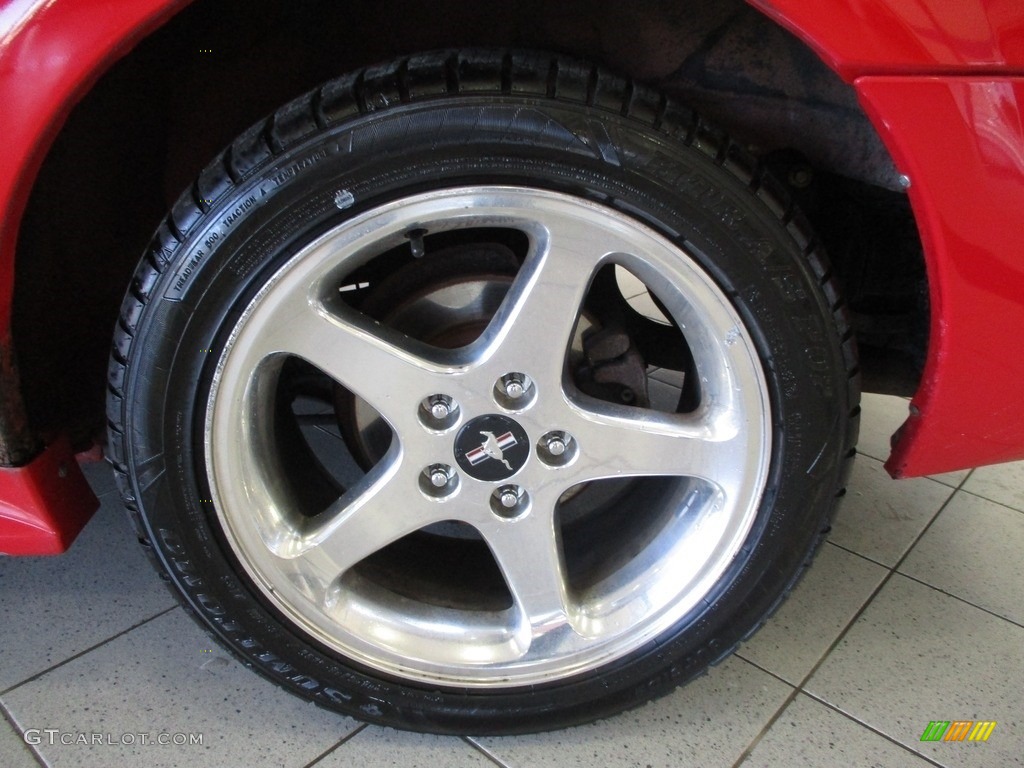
pixel 238 532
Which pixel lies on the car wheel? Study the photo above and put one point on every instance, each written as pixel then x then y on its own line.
pixel 482 392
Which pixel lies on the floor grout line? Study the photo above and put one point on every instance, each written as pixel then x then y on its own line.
pixel 861 555
pixel 899 562
pixel 960 599
pixel 345 740
pixel 873 457
pixel 866 558
pixel 871 728
pixel 835 709
pixel 767 727
pixel 8 716
pixel 485 752
pixel 933 477
pixel 751 662
pixel 1002 504
pixel 845 630
pixel 90 649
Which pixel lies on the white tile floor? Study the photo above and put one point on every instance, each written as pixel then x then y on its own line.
pixel 914 611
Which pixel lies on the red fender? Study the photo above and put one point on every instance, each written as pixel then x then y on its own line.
pixel 943 83
pixel 51 52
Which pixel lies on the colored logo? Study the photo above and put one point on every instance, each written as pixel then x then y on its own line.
pixel 958 730
pixel 491 447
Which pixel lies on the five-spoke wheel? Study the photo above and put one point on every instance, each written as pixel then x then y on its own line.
pixel 494 468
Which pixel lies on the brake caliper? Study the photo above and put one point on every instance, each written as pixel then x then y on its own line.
pixel 613 369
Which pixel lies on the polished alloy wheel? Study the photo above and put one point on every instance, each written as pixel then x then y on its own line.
pixel 307 565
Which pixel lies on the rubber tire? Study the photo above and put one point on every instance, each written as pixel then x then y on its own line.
pixel 447 119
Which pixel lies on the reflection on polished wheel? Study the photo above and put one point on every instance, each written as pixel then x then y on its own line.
pixel 482 409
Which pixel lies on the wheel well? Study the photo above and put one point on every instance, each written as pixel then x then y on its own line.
pixel 153 121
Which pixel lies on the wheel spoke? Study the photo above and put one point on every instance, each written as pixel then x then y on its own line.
pixel 614 445
pixel 529 554
pixel 542 306
pixel 381 366
pixel 354 528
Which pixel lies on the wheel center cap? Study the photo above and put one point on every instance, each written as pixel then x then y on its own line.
pixel 491 447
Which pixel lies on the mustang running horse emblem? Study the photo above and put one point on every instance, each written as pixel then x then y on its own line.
pixel 492 448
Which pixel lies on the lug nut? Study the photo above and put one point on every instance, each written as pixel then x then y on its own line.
pixel 439 482
pixel 510 501
pixel 438 412
pixel 439 474
pixel 514 391
pixel 556 446
pixel 514 388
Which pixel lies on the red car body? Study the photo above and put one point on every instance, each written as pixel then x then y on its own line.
pixel 941 80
